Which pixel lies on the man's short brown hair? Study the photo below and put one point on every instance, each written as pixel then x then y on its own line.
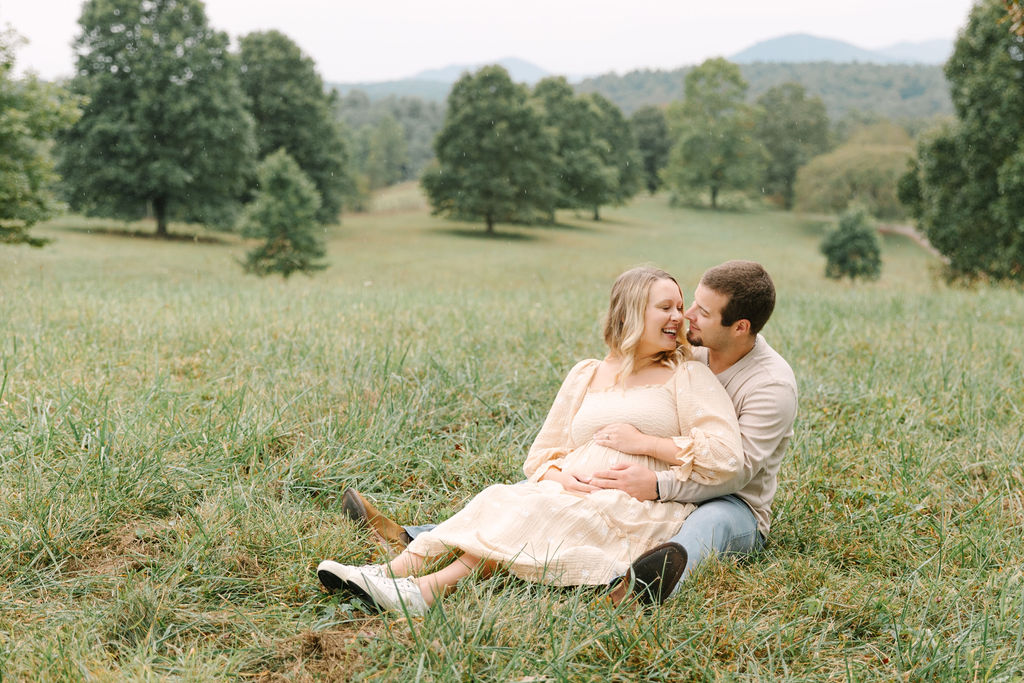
pixel 750 290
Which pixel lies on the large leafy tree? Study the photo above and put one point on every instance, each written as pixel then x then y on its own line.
pixel 165 127
pixel 712 128
pixel 31 112
pixel 622 155
pixel 585 178
pixel 792 128
pixel 495 157
pixel 293 111
pixel 652 140
pixel 967 187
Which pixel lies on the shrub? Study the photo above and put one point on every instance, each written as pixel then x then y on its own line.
pixel 853 250
pixel 284 216
pixel 864 171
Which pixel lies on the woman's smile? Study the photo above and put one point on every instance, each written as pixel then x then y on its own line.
pixel 663 318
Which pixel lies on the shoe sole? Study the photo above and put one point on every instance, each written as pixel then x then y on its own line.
pixel 655 574
pixel 397 603
pixel 334 583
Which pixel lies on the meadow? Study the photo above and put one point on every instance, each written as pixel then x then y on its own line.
pixel 175 438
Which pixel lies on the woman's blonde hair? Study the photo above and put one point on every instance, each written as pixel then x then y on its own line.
pixel 624 324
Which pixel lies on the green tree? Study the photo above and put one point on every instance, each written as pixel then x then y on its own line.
pixel 387 155
pixel 853 249
pixel 284 216
pixel 621 153
pixel 496 159
pixel 583 176
pixel 865 171
pixel 967 190
pixel 292 110
pixel 652 140
pixel 165 127
pixel 31 112
pixel 712 128
pixel 792 128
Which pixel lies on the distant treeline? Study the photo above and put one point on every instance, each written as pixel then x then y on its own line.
pixel 892 91
pixel 163 120
pixel 901 91
pixel 853 95
pixel 391 139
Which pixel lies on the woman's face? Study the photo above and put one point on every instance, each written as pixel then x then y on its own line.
pixel 663 319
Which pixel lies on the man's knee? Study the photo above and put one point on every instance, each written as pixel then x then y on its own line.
pixel 723 525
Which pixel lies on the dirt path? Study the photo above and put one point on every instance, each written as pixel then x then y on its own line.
pixel 909 231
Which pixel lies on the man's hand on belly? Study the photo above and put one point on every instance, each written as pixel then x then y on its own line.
pixel 636 480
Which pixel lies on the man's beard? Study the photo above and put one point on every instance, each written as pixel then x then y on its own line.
pixel 694 341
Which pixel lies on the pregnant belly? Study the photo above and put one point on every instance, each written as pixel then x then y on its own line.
pixel 590 458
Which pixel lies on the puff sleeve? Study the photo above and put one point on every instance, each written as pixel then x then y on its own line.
pixel 554 440
pixel 710 449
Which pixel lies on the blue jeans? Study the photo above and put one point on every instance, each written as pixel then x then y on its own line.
pixel 720 526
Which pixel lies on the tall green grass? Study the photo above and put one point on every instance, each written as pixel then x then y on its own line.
pixel 175 437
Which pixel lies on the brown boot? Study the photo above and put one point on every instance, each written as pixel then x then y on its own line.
pixel 361 511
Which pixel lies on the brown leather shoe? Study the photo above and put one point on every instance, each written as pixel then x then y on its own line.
pixel 652 576
pixel 361 511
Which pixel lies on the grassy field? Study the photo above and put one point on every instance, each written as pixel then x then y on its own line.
pixel 175 437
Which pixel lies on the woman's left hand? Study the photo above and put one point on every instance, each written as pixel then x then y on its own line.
pixel 623 437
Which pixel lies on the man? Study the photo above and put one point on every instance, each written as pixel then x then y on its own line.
pixel 732 303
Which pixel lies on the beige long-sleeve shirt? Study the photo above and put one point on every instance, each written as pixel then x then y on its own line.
pixel 763 391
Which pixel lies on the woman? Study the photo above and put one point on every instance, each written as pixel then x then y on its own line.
pixel 645 402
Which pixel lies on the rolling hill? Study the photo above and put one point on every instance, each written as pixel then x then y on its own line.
pixel 801 47
pixel 903 81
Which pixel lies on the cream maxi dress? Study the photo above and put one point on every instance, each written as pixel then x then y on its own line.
pixel 541 532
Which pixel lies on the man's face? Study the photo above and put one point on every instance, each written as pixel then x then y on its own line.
pixel 705 318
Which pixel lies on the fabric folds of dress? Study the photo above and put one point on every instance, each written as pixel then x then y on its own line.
pixel 544 533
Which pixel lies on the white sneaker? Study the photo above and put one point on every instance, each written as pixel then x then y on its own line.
pixel 389 593
pixel 379 570
pixel 333 575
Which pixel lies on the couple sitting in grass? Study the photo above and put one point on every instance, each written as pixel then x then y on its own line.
pixel 651 460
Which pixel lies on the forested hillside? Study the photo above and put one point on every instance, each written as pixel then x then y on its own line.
pixel 895 91
pixel 891 91
pixel 417 119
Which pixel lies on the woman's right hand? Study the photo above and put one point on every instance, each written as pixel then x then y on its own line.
pixel 568 481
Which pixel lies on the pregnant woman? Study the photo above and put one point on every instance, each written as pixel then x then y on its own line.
pixel 645 402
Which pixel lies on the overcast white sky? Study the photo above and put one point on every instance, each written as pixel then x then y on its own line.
pixel 373 40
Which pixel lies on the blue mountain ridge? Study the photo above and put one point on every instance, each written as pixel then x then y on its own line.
pixel 802 47
pixel 433 84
